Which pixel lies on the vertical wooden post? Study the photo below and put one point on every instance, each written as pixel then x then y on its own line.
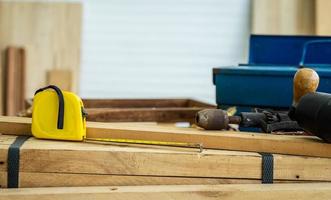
pixel 14 80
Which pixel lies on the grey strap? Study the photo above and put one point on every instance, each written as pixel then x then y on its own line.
pixel 13 162
pixel 267 168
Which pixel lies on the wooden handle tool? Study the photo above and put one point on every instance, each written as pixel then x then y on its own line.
pixel 305 80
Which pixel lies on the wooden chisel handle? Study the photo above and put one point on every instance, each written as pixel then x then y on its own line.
pixel 305 80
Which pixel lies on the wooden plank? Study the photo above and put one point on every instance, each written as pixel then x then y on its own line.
pixel 32 180
pixel 135 103
pixel 29 180
pixel 61 78
pixel 47 156
pixel 228 140
pixel 194 103
pixel 14 80
pixel 142 114
pixel 10 81
pixel 144 103
pixel 295 17
pixel 323 23
pixel 22 77
pixel 15 125
pixel 143 110
pixel 309 191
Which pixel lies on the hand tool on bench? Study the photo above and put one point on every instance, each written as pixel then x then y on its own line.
pixel 269 121
pixel 305 81
pixel 312 110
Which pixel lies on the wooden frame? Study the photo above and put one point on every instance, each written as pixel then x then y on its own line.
pixel 138 110
pixel 143 110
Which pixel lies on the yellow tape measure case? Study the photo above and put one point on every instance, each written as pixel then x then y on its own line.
pixel 58 115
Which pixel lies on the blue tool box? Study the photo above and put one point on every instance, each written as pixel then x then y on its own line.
pixel 267 79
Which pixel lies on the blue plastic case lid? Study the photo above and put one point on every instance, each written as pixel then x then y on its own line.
pixel 266 70
pixel 288 50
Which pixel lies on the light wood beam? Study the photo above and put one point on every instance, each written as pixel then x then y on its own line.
pixel 228 140
pixel 311 191
pixel 47 156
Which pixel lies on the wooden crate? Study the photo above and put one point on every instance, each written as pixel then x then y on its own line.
pixel 143 110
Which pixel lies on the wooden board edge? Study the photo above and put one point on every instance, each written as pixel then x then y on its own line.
pixel 309 191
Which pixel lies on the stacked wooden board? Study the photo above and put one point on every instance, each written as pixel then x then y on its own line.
pixel 311 191
pixel 61 163
pixel 58 163
pixel 229 166
pixel 223 140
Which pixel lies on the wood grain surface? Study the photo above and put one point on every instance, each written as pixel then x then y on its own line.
pixel 309 191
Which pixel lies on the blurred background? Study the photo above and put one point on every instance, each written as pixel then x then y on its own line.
pixel 138 48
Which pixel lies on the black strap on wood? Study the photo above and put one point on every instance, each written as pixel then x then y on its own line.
pixel 267 168
pixel 60 116
pixel 13 162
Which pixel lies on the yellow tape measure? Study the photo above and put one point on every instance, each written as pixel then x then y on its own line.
pixel 148 142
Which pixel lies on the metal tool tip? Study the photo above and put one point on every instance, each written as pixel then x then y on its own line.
pixel 212 119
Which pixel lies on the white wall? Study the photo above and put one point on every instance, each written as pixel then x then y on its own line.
pixel 160 48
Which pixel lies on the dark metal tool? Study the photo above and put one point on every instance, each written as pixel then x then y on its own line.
pixel 305 81
pixel 311 109
pixel 268 121
pixel 313 114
